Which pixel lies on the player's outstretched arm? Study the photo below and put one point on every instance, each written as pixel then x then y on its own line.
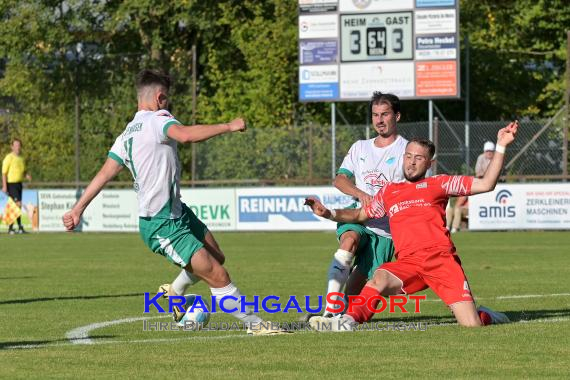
pixel 108 171
pixel 487 183
pixel 196 133
pixel 344 184
pixel 354 215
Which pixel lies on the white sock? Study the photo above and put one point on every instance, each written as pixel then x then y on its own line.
pixel 338 273
pixel 230 290
pixel 183 281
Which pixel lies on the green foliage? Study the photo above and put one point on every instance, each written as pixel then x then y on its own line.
pixel 518 56
pixel 53 53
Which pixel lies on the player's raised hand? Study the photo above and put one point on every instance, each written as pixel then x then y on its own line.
pixel 237 125
pixel 70 220
pixel 507 135
pixel 317 207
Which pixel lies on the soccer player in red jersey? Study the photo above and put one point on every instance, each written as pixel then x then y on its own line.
pixel 425 254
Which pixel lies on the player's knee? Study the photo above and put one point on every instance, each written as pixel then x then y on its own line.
pixel 379 281
pixel 219 275
pixel 349 241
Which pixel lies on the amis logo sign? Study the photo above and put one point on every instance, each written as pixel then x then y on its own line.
pixel 258 208
pixel 502 210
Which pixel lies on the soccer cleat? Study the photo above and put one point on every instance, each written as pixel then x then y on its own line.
pixel 265 328
pixel 338 323
pixel 177 313
pixel 164 289
pixel 21 230
pixel 496 317
pixel 307 317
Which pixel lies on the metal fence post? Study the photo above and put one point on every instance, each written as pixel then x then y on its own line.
pixel 333 138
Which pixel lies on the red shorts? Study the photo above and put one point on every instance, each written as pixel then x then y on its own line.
pixel 438 268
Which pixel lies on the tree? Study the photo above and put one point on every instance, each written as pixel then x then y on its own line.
pixel 51 51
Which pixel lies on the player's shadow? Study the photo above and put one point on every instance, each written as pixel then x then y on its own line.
pixel 16 278
pixel 47 299
pixel 533 315
pixel 435 319
pixel 29 344
pixel 514 316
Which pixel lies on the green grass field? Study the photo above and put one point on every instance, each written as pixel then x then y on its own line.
pixel 51 284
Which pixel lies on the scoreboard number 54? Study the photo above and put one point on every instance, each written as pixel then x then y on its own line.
pixel 376 43
pixel 376 37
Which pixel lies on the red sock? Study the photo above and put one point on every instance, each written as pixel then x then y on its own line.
pixel 361 313
pixel 485 318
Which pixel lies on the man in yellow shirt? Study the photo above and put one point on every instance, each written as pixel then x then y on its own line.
pixel 13 173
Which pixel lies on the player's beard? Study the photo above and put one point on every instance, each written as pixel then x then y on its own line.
pixel 415 178
pixel 385 131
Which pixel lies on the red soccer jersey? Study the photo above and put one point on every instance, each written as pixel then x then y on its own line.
pixel 417 210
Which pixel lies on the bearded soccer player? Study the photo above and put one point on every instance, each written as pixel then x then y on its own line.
pixel 148 148
pixel 425 254
pixel 368 166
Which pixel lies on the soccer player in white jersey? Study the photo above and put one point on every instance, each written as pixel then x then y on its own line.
pixel 368 166
pixel 148 148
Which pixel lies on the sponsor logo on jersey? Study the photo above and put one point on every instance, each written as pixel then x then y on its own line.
pixel 400 206
pixel 422 185
pixel 391 160
pixel 375 181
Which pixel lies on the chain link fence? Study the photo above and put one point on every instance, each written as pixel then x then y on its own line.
pixel 302 154
pixel 536 153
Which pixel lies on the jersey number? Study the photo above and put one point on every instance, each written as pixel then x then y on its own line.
pixel 129 150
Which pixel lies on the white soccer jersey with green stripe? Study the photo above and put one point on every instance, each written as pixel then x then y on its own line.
pixel 152 157
pixel 372 168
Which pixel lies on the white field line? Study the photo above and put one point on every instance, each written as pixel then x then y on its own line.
pixel 159 340
pixel 198 338
pixel 522 296
pixel 80 335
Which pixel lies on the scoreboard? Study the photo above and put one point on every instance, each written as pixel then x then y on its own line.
pixel 376 36
pixel 350 48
